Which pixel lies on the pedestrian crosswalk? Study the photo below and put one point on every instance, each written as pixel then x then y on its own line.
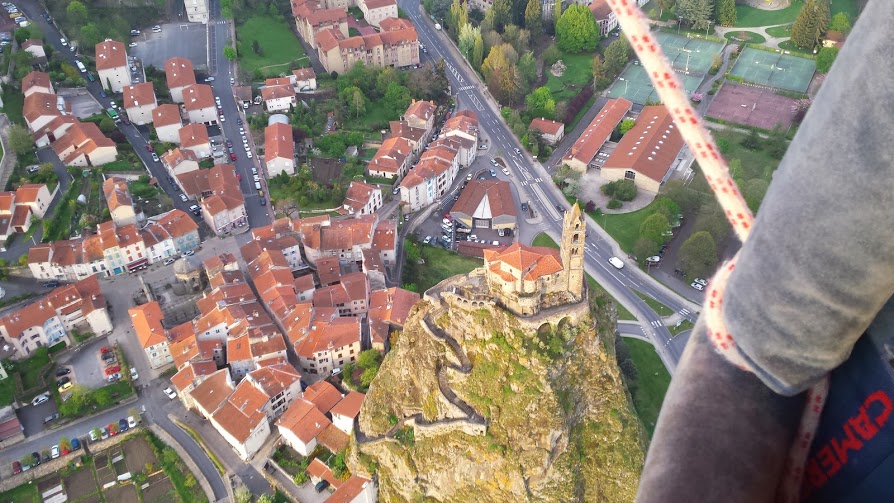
pixel 466 88
pixel 656 324
pixel 684 312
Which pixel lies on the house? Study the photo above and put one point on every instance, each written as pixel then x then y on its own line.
pixel 77 306
pixel 19 208
pixel 241 420
pixel 374 11
pixel 41 108
pixel 111 65
pixel 139 102
pixel 328 346
pixel 122 247
pixel 428 181
pixel 196 11
pixel 355 490
pixel 83 144
pixel 300 425
pixel 345 412
pixel 279 149
pixel 420 115
pixel 392 160
pixel 648 152
pixel 37 82
pixel 311 17
pixel 211 393
pixel 11 430
pixel 70 260
pixel 485 204
pixel 362 199
pixel 198 100
pixel 339 53
pixel 147 325
pixel 194 137
pixel 55 128
pixel 604 16
pixel 350 296
pixel 224 209
pixel 167 122
pixel 35 47
pixel 416 138
pixel 344 238
pixel 179 162
pixel 527 279
pixel 179 74
pixel 388 311
pixel 323 395
pixel 318 471
pixel 119 201
pixel 170 234
pixel 190 375
pixel 279 97
pixel 36 196
pixel 551 131
pixel 584 150
pixel 243 95
pixel 304 79
pixel 385 241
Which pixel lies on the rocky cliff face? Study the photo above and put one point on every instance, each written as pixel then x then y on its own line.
pixel 470 405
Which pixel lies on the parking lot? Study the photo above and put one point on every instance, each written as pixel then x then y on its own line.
pixel 187 40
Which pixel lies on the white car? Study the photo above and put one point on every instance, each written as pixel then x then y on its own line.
pixel 183 197
pixel 653 259
pixel 616 262
pixel 132 44
pixel 518 151
pixel 133 374
pixel 700 281
pixel 427 240
pixel 131 422
pixel 217 99
pixel 223 119
pixel 54 452
pixel 506 172
pixel 39 399
pixel 171 394
pixel 169 261
pixel 257 178
pixel 473 238
pixel 248 154
pixel 154 157
pixel 698 286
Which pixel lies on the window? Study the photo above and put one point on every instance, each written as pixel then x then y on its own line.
pixel 629 175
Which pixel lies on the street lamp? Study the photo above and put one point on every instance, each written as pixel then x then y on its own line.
pixel 622 79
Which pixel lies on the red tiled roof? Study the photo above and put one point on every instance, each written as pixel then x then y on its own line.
pixel 36 79
pixel 546 126
pixel 198 97
pixel 110 54
pixel 166 114
pixel 304 420
pixel 531 261
pixel 599 130
pixel 179 72
pixel 338 333
pixel 349 490
pixel 349 406
pixel 650 147
pixel 139 95
pixel 278 142
pixel 392 305
pixel 193 135
pixel 485 199
pixel 277 91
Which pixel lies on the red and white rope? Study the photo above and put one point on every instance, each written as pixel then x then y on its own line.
pixel 672 93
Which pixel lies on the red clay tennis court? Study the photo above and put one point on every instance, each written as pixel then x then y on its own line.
pixel 753 106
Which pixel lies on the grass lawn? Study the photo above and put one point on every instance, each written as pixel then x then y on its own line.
pixel 790 46
pixel 280 50
pixel 376 118
pixel 624 227
pixel 578 73
pixel 653 8
pixel 440 264
pixel 849 7
pixel 30 369
pixel 543 239
pixel 749 16
pixel 749 37
pixel 652 382
pixel 13 102
pixel 780 31
pixel 684 326
pixel 25 493
pixel 754 162
pixel 7 395
pixel 656 306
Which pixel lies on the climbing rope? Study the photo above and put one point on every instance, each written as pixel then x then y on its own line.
pixel 672 93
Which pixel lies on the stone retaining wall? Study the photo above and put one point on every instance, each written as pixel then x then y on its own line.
pixel 447 426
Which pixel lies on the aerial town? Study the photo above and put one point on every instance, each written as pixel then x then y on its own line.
pixel 229 229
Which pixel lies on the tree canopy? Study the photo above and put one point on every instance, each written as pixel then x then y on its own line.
pixel 811 24
pixel 534 18
pixel 655 228
pixel 725 12
pixel 698 255
pixel 540 103
pixel 576 30
pixel 840 23
pixel 616 56
pixel 698 13
pixel 825 58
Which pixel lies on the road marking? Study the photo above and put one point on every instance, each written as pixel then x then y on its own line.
pixel 684 312
pixel 528 176
pixel 656 323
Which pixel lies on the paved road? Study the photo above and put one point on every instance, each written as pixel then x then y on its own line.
pixel 533 183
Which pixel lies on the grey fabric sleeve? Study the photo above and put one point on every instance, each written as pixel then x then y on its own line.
pixel 819 263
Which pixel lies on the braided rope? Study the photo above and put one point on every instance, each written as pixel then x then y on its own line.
pixel 672 93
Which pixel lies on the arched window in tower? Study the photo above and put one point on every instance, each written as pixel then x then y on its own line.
pixel 575 239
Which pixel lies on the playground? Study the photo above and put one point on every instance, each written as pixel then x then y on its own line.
pixel 774 69
pixel 753 106
pixel 690 57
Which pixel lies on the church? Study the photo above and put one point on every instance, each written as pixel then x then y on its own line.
pixel 527 279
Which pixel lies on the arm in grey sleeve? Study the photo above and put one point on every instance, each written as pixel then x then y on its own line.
pixel 819 263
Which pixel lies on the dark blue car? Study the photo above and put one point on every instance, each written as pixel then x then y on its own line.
pixel 122 425
pixel 75 444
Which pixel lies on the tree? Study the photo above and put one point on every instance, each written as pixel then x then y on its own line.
pixel 811 23
pixel 107 125
pixel 616 56
pixel 840 23
pixel 698 255
pixel 466 42
pixel 477 52
pixel 77 14
pixel 712 219
pixel 397 98
pixel 626 125
pixel 494 65
pixel 439 9
pixel 557 13
pixel 457 18
pixel 230 53
pixel 534 18
pixel 754 191
pixel 242 495
pixel 64 444
pixel 576 30
pixel 599 79
pixel 266 498
pixel 698 13
pixel 825 58
pixel 501 14
pixel 726 12
pixel 664 5
pixel 90 34
pixel 540 103
pixel 777 144
pixel 527 68
pixel 20 140
pixel 645 248
pixel 28 460
pixel 655 228
pixel 752 141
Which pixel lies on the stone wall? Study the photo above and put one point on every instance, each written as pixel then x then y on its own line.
pixel 447 426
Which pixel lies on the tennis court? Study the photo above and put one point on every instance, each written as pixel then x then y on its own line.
pixel 690 57
pixel 774 69
pixel 754 106
pixel 634 84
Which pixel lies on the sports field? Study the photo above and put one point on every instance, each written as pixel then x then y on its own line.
pixel 774 69
pixel 690 57
pixel 754 106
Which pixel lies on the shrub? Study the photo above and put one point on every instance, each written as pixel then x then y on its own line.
pixel 622 190
pixel 614 204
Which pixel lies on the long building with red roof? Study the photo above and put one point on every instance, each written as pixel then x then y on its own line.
pixel 597 133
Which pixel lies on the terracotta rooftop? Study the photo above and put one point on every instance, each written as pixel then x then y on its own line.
pixel 531 262
pixel 358 195
pixel 39 104
pixel 85 295
pixel 166 114
pixel 395 23
pixel 546 126
pixel 349 490
pixel 322 394
pixel 340 332
pixel 392 305
pixel 650 147
pixel 36 79
pixel 599 130
pixel 333 439
pixel 304 73
pixel 110 54
pixel 485 199
pixel 275 378
pixel 317 469
pixel 179 72
pixel 422 110
pixel 213 391
pixel 277 91
pixel 116 192
pixel 193 135
pixel 243 412
pixel 139 95
pixel 600 9
pixel 198 97
pixel 378 4
pixel 349 406
pixel 328 270
pixel 278 142
pixel 385 236
pixel 304 420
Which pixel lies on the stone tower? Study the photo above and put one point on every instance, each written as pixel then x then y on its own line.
pixel 574 233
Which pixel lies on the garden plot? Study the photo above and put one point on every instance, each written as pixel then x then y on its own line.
pixel 157 489
pixel 126 493
pixel 137 454
pixel 80 484
pixel 105 476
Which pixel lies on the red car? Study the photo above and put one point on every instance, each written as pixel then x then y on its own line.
pixel 238 177
pixel 105 349
pixel 149 147
pixel 111 370
pixel 232 156
pixel 16 468
pixel 113 429
pixel 64 451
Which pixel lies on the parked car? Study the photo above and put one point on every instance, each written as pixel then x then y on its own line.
pixel 62 371
pixel 232 156
pixel 427 240
pixel 263 202
pixel 95 434
pixel 65 387
pixel 122 425
pixel 133 374
pixel 113 369
pixel 189 253
pixel 698 286
pixel 51 417
pixel 36 456
pixel 75 444
pixel 171 394
pixel 113 429
pixel 16 468
pixel 184 198
pixel 39 399
pixel 506 172
pixel 653 259
pixel 169 261
pixel 154 157
pixel 700 281
pixel 51 284
pixel 517 151
pixel 115 377
pixel 54 452
pixel 103 433
pixel 131 422
pixel 62 381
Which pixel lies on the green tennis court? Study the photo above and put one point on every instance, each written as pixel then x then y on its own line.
pixel 634 84
pixel 687 54
pixel 774 69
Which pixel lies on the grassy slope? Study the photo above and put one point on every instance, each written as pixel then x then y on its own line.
pixel 279 46
pixel 578 72
pixel 652 383
pixel 749 16
pixel 441 264
pixel 656 306
pixel 624 227
pixel 13 102
pixel 543 239
pixel 746 36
